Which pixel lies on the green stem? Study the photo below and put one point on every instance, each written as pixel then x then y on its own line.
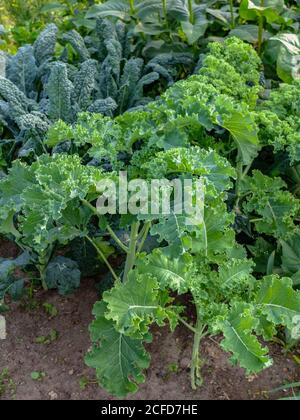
pixel 165 17
pixel 247 169
pixel 239 168
pixel 164 4
pixel 196 365
pixel 260 29
pixel 43 280
pixel 191 12
pixel 143 238
pixel 103 257
pixel 132 9
pixel 241 174
pixel 109 229
pixel 187 325
pixel 130 260
pixel 231 14
pixel 116 239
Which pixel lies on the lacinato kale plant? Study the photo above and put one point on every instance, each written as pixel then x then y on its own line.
pixel 61 75
pixel 239 263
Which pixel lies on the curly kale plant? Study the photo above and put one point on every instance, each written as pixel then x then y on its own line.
pixel 240 262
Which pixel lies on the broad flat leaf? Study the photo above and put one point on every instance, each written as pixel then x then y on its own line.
pixel 248 33
pixel 288 56
pixel 136 304
pixel 116 8
pixel 239 340
pixel 251 9
pixel 291 254
pixel 119 360
pixel 222 15
pixel 53 7
pixel 191 16
pixel 279 301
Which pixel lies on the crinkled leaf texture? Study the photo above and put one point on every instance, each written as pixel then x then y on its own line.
pixel 279 301
pixel 119 360
pixel 45 197
pixel 171 273
pixel 136 304
pixel 276 304
pixel 63 274
pixel 8 282
pixel 239 340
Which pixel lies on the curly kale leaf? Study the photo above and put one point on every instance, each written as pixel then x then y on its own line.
pixel 119 360
pixel 45 200
pixel 239 339
pixel 268 198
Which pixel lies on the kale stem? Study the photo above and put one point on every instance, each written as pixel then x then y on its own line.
pixel 196 378
pixel 43 280
pixel 116 239
pixel 187 325
pixel 164 7
pixel 103 257
pixel 130 260
pixel 260 29
pixel 191 12
pixel 143 238
pixel 132 9
pixel 109 229
pixel 241 173
pixel 232 14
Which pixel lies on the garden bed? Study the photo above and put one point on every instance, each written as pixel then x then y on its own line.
pixel 167 378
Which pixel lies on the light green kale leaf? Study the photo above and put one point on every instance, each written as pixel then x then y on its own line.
pixel 279 302
pixel 137 303
pixel 119 360
pixel 239 339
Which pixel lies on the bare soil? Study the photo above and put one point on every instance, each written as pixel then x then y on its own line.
pixel 62 363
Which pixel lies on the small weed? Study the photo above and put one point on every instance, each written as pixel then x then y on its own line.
pixel 37 376
pixel 50 310
pixel 173 368
pixel 83 382
pixel 47 339
pixel 7 385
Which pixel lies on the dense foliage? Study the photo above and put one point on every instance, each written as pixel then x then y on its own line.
pixel 100 73
pixel 22 21
pixel 239 264
pixel 78 106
